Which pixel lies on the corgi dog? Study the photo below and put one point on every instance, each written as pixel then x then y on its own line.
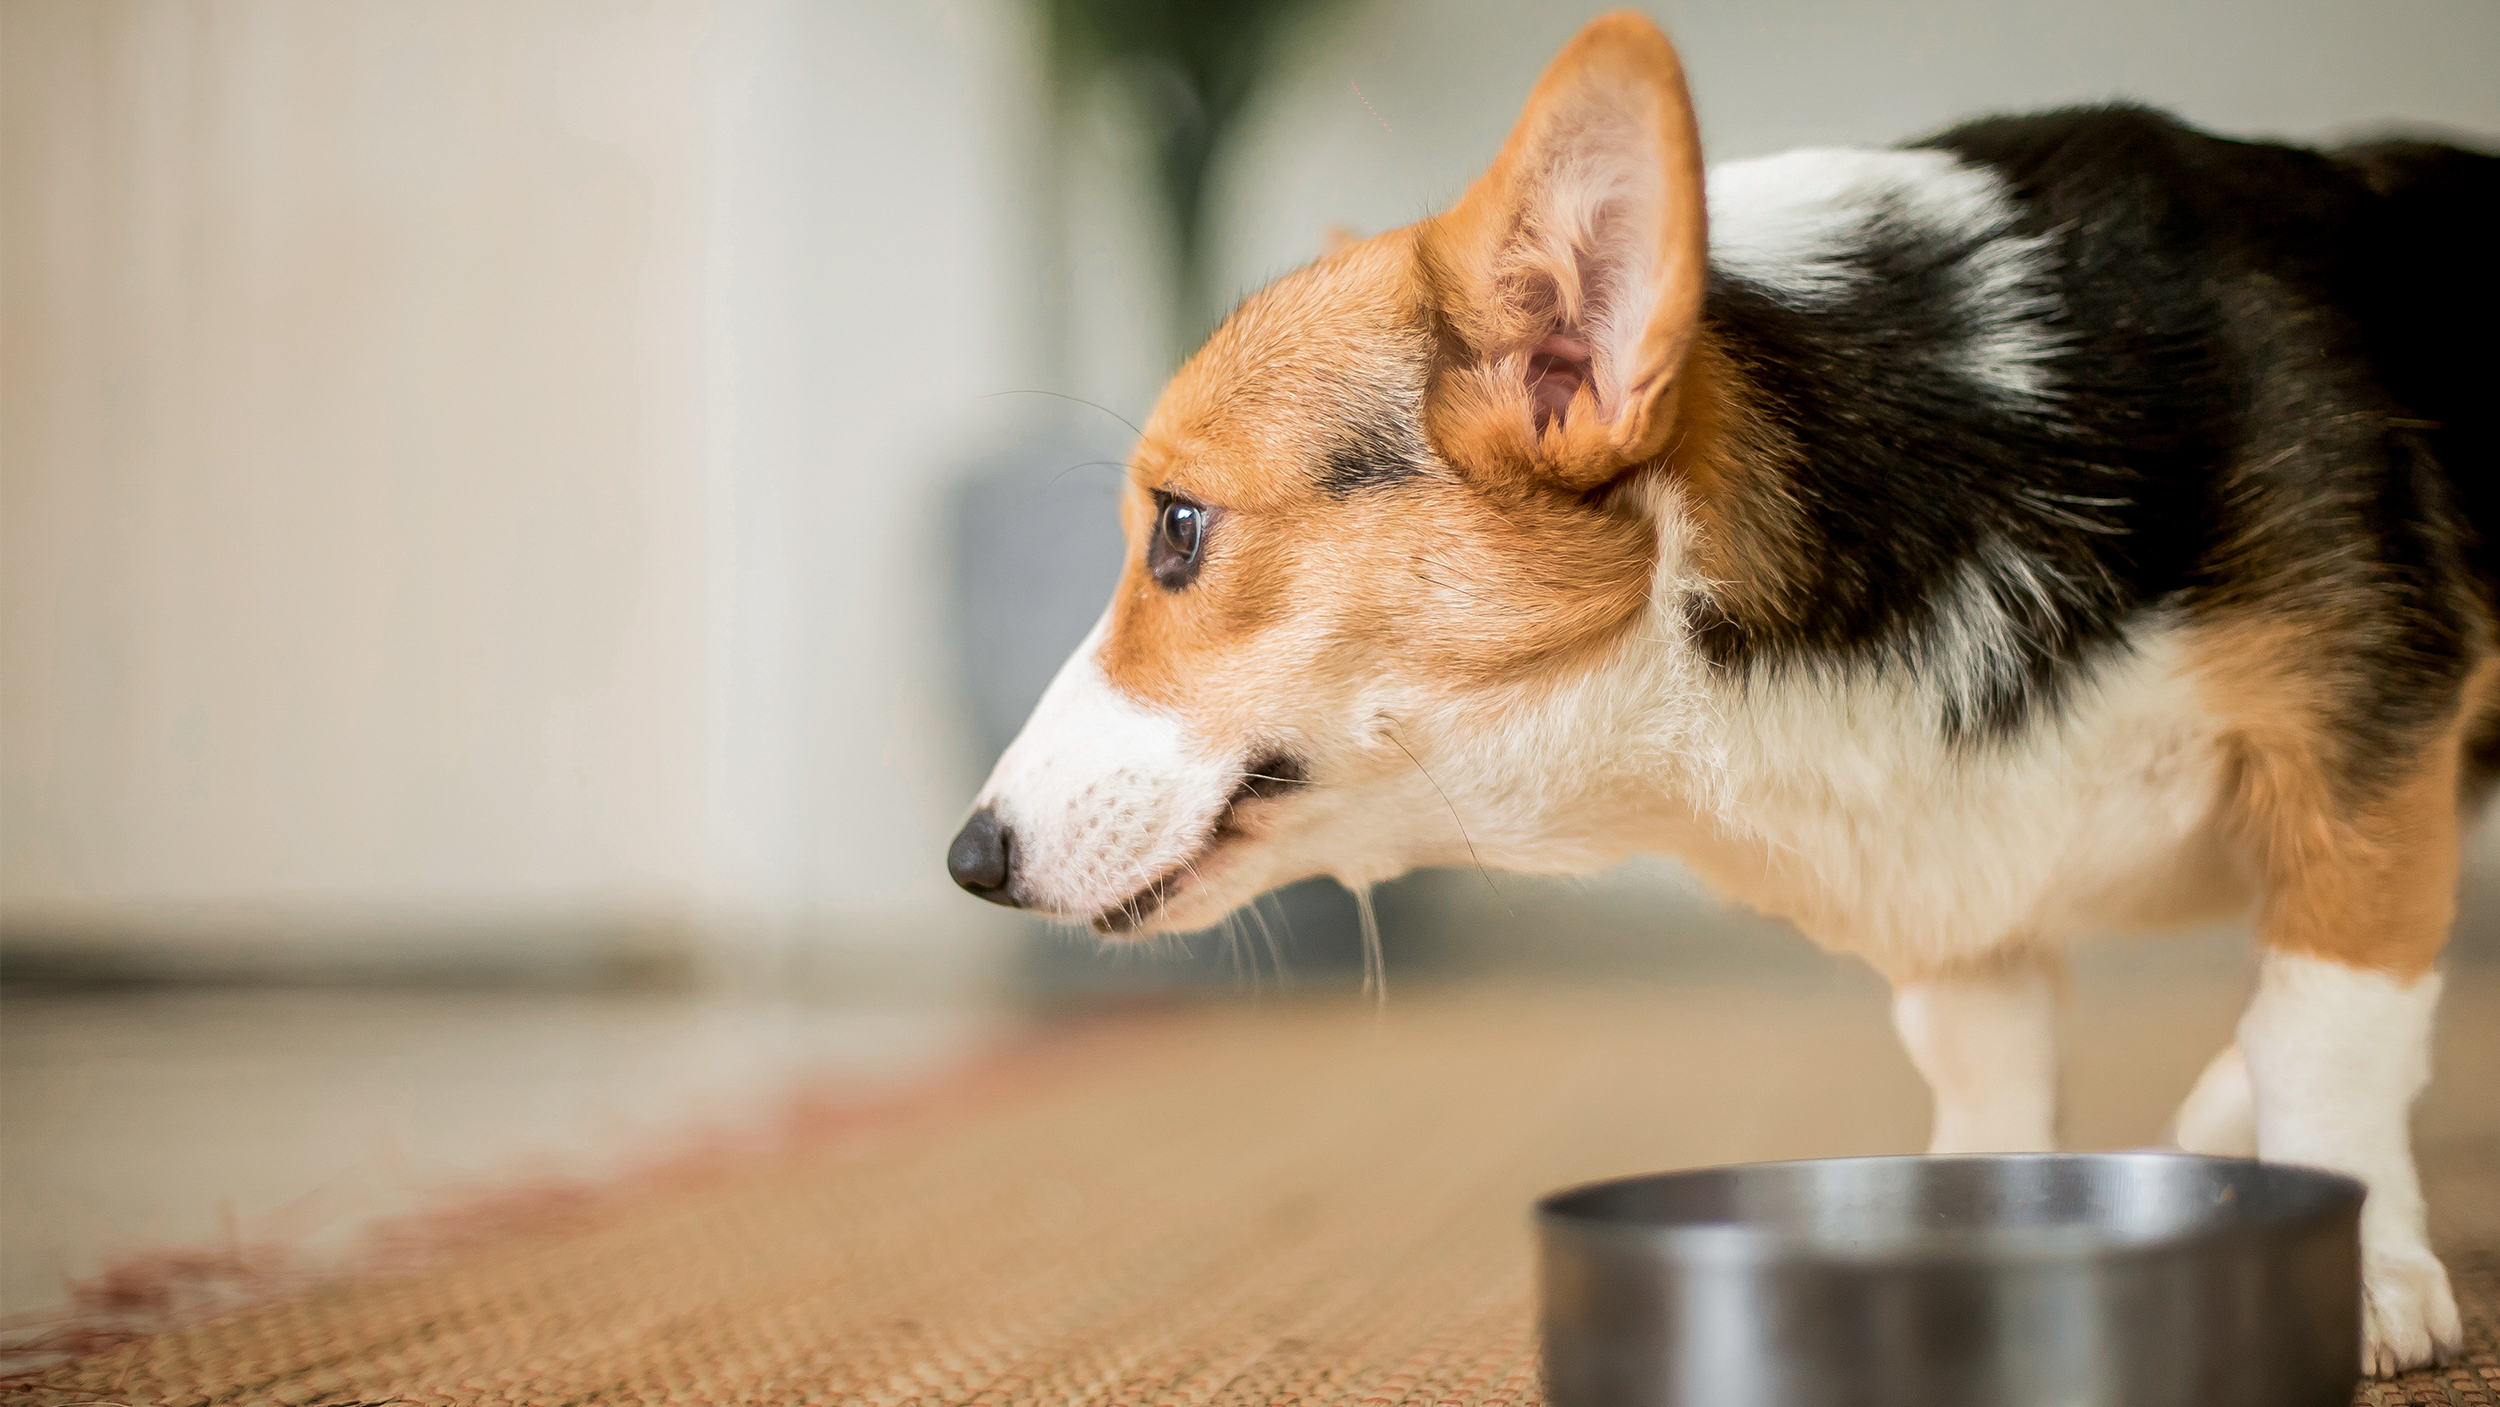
pixel 2065 523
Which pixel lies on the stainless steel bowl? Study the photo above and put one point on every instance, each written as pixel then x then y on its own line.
pixel 2028 1280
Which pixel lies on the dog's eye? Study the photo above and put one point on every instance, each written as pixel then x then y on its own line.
pixel 1183 526
pixel 1179 542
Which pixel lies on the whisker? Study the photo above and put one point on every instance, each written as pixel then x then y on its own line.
pixel 1472 857
pixel 1085 464
pixel 1229 938
pixel 1430 579
pixel 1284 920
pixel 1375 963
pixel 1507 608
pixel 1080 400
pixel 1227 934
pixel 1267 937
pixel 1452 570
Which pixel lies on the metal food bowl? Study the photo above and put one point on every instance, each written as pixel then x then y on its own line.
pixel 2023 1280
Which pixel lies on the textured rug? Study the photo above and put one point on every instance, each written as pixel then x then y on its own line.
pixel 1282 1202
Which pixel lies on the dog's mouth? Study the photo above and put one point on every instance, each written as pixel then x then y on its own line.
pixel 1265 779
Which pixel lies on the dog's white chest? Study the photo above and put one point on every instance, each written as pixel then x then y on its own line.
pixel 1854 816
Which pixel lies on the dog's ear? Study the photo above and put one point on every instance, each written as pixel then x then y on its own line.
pixel 1568 280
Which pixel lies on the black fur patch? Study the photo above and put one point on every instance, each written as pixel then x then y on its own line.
pixel 2226 428
pixel 1375 452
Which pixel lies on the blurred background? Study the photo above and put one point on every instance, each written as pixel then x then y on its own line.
pixel 523 522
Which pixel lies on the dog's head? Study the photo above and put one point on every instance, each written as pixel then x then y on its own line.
pixel 1384 529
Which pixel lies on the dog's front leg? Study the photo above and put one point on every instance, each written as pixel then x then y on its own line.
pixel 1985 1036
pixel 2219 1116
pixel 2336 1054
pixel 2358 902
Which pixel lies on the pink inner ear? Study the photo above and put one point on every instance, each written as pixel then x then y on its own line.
pixel 1557 369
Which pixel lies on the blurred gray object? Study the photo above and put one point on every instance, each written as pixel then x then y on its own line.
pixel 2062 1280
pixel 1037 546
pixel 1036 533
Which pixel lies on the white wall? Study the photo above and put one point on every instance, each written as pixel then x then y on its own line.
pixel 1445 78
pixel 468 463
pixel 869 271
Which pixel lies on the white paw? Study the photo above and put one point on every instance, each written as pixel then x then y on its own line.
pixel 2408 1316
pixel 2219 1116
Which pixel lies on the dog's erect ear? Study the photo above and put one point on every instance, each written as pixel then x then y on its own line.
pixel 1569 279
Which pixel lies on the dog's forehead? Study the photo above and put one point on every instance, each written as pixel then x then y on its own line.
pixel 1313 386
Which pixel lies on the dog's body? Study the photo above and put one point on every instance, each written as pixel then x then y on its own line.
pixel 2067 523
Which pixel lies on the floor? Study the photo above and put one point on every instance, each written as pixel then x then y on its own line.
pixel 176 1119
pixel 1305 1198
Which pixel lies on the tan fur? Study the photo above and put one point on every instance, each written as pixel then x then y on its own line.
pixel 2363 872
pixel 1734 461
pixel 1499 566
pixel 1504 274
pixel 1473 579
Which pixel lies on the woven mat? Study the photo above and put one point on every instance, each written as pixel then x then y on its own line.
pixel 1288 1202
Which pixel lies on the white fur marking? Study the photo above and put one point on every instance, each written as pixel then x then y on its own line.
pixel 1101 794
pixel 1987 1044
pixel 1884 837
pixel 2335 1056
pixel 2219 1116
pixel 1790 224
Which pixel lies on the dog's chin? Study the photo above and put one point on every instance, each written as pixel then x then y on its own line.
pixel 1232 866
pixel 1237 864
pixel 1182 898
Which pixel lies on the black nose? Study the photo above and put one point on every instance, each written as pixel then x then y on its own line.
pixel 980 859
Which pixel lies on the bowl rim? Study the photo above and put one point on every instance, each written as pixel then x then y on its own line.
pixel 1703 1242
